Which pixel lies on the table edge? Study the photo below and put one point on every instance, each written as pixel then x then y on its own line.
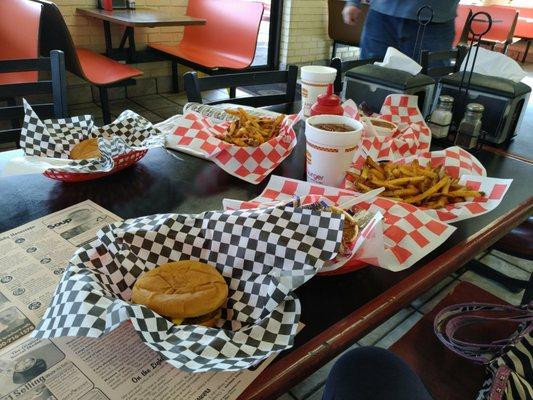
pixel 88 12
pixel 302 362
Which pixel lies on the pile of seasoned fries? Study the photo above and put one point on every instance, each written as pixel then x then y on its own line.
pixel 251 130
pixel 411 183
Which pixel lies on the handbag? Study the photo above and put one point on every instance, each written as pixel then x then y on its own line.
pixel 508 361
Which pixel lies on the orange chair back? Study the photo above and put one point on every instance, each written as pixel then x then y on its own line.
pixel 463 14
pixel 19 36
pixel 503 23
pixel 524 25
pixel 231 29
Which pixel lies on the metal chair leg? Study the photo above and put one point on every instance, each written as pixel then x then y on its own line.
pixel 334 50
pixel 526 51
pixel 11 102
pixel 175 81
pixel 104 101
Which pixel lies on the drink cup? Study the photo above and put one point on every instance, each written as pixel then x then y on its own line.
pixel 315 80
pixel 329 153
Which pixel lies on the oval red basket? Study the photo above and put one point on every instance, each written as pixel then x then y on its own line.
pixel 350 266
pixel 122 161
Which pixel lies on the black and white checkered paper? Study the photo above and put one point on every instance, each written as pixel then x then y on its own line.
pixel 55 138
pixel 263 254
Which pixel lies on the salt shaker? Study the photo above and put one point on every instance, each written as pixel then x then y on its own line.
pixel 470 126
pixel 441 118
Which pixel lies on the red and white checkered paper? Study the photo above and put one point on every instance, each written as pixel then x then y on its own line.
pixel 458 163
pixel 413 135
pixel 196 134
pixel 403 236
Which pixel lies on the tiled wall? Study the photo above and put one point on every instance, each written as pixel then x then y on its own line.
pixel 304 33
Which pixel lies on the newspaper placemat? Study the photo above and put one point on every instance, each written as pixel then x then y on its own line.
pixel 51 141
pixel 458 163
pixel 413 136
pixel 196 134
pixel 116 366
pixel 264 254
pixel 407 233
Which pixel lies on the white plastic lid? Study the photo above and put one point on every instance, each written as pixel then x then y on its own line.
pixel 318 74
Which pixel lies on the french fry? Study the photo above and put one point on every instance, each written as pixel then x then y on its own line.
pixel 409 179
pixel 428 192
pixel 412 183
pixel 250 130
pixel 465 193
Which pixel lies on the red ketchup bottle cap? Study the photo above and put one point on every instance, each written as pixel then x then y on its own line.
pixel 327 103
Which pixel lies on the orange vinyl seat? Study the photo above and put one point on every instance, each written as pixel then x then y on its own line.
pixel 19 36
pixel 101 70
pixel 227 41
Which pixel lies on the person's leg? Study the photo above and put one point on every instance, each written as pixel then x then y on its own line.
pixel 437 37
pixel 378 34
pixel 372 373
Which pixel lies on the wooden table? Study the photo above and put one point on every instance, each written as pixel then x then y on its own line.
pixel 130 19
pixel 337 310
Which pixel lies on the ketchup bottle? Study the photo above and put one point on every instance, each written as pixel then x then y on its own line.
pixel 108 5
pixel 327 103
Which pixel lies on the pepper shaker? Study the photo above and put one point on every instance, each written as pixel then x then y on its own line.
pixel 470 127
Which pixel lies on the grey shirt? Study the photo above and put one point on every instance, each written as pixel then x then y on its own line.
pixel 443 10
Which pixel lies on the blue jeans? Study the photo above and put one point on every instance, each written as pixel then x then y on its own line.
pixel 382 31
pixel 371 373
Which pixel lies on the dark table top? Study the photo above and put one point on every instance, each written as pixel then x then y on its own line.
pixel 140 17
pixel 337 310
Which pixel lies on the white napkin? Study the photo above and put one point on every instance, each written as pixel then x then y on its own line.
pixel 395 59
pixel 492 63
pixel 23 165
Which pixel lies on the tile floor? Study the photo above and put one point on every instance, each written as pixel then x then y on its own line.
pixel 394 328
pixel 158 107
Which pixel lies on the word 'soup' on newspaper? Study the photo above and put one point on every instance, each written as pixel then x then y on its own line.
pixel 116 366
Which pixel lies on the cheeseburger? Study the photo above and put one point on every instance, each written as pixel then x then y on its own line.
pixel 186 292
pixel 85 149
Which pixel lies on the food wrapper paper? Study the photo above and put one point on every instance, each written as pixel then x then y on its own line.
pixel 413 135
pixel 458 163
pixel 47 143
pixel 400 235
pixel 263 254
pixel 197 135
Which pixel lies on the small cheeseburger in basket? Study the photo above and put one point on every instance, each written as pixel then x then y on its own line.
pixel 186 292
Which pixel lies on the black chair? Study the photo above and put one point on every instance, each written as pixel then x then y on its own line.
pixel 56 87
pixel 343 66
pixel 454 59
pixel 194 86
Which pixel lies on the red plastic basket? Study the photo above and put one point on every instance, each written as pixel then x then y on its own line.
pixel 122 161
pixel 350 266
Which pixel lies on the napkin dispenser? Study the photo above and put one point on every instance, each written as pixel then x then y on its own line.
pixel 505 102
pixel 372 83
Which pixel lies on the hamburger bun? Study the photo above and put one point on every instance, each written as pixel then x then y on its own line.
pixel 85 149
pixel 188 291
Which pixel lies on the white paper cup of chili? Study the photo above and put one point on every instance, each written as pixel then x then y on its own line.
pixel 379 127
pixel 315 80
pixel 331 144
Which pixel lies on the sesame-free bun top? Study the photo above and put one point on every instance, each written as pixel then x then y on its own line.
pixel 85 149
pixel 182 289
